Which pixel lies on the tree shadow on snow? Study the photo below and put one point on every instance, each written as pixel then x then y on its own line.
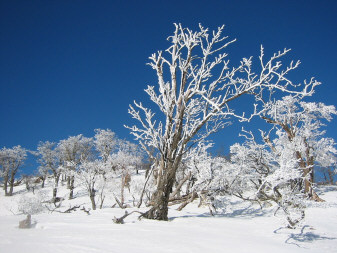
pixel 304 237
pixel 232 211
pixel 247 212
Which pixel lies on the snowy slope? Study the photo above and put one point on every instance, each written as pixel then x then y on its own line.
pixel 240 228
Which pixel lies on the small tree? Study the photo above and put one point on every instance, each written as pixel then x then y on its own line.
pixel 267 174
pixel 329 174
pixel 50 161
pixel 123 162
pixel 281 168
pixel 196 90
pixel 298 127
pixel 73 151
pixel 88 174
pixel 105 142
pixel 11 159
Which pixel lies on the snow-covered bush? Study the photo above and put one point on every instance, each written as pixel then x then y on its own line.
pixel 32 204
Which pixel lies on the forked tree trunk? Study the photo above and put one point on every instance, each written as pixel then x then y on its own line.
pixel 161 197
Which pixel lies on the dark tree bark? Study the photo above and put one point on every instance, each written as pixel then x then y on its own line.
pixel 11 184
pixel 5 187
pixel 92 194
pixel 56 182
pixel 160 198
pixel 71 187
pixel 43 181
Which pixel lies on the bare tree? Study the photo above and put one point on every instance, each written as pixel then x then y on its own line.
pixel 196 89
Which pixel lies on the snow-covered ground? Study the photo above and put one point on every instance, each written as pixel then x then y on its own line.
pixel 242 227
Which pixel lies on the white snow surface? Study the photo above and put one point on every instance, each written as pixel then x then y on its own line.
pixel 241 227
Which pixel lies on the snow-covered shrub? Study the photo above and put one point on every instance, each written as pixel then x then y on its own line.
pixel 32 205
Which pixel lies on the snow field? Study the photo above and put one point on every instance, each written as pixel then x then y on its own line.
pixel 242 227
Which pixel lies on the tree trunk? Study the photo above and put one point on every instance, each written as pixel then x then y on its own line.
pixel 11 184
pixel 56 183
pixel 331 175
pixel 308 182
pixel 43 181
pixel 68 182
pixel 161 196
pixel 92 198
pixel 5 186
pixel 71 187
pixel 122 190
pixel 63 178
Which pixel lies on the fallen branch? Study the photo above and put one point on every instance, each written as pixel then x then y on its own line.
pixel 70 209
pixel 190 200
pixel 121 219
pixel 84 210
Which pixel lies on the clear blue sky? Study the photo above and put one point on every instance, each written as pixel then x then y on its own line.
pixel 68 67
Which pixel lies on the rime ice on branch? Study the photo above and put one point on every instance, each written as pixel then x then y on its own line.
pixel 194 92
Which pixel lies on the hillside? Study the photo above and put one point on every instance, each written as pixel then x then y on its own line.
pixel 239 227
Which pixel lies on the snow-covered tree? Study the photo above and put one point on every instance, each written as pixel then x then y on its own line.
pixel 105 142
pixel 89 173
pixel 73 151
pixel 196 88
pixel 267 174
pixel 328 174
pixel 281 168
pixel 49 157
pixel 11 159
pixel 124 162
pixel 298 126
